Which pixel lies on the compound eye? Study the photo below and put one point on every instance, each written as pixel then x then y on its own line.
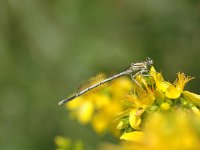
pixel 148 59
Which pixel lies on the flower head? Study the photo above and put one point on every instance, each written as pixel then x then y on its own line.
pixel 154 94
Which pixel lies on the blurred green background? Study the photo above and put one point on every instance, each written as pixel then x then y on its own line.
pixel 49 47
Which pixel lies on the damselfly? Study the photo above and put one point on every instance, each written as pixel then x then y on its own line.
pixel 134 70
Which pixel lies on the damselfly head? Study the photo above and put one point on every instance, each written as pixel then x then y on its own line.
pixel 149 61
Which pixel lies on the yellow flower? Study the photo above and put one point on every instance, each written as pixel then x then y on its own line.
pixel 145 120
pixel 172 130
pixel 174 91
pixel 85 112
pixel 99 123
pixel 165 131
pixel 192 97
pixel 100 100
pixel 82 109
pixel 140 105
pixel 138 102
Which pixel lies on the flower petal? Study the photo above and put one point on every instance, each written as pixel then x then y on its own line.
pixel 134 120
pixel 172 92
pixel 196 111
pixel 192 97
pixel 136 136
pixel 85 112
pixel 181 81
pixel 161 84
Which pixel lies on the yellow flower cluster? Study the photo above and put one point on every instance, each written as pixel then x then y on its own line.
pixel 157 112
pixel 177 130
pixel 151 113
pixel 100 107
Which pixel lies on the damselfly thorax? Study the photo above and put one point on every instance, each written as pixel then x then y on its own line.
pixel 134 70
